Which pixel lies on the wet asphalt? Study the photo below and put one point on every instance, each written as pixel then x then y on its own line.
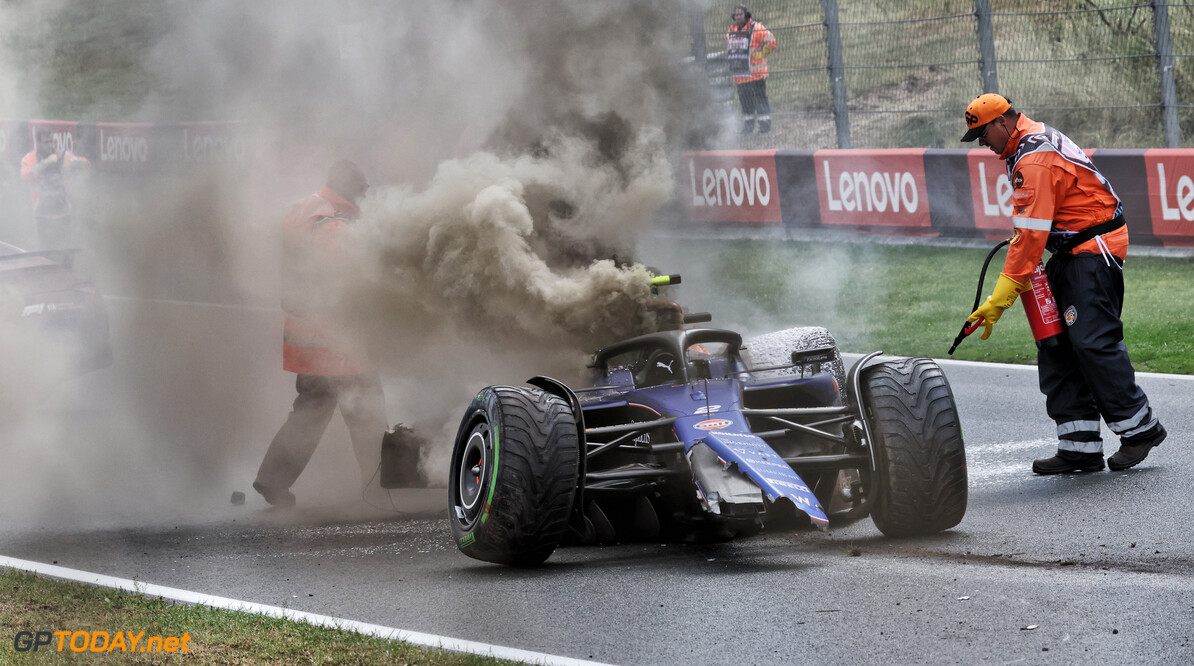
pixel 1094 568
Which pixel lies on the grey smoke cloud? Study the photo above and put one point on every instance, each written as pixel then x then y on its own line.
pixel 518 151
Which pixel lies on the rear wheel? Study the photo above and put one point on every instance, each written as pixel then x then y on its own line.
pixel 920 477
pixel 513 475
pixel 775 348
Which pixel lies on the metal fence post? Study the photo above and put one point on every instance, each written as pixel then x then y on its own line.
pixel 837 73
pixel 986 47
pixel 1173 137
pixel 696 29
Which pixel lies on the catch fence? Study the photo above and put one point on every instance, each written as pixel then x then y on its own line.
pixel 861 74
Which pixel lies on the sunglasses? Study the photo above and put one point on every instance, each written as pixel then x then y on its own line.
pixel 986 129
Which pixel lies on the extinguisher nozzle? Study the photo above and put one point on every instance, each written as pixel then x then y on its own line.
pixel 957 341
pixel 967 329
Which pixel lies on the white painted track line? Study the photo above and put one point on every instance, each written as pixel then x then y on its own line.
pixel 389 633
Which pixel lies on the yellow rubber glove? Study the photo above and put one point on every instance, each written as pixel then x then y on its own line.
pixel 757 56
pixel 1002 298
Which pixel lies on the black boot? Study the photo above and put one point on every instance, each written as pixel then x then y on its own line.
pixel 275 496
pixel 1133 450
pixel 764 126
pixel 1068 461
pixel 748 125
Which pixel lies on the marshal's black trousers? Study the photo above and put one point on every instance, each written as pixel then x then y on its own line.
pixel 1088 374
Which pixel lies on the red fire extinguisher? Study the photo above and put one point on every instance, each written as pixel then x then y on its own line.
pixel 1039 306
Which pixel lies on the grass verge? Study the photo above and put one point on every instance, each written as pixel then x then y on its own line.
pixel 32 603
pixel 909 300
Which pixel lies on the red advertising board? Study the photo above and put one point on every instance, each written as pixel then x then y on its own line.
pixel 1171 194
pixel 873 188
pixel 731 186
pixel 990 191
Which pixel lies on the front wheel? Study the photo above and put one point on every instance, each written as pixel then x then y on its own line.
pixel 920 477
pixel 513 475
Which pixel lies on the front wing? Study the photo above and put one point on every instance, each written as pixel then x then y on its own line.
pixel 727 435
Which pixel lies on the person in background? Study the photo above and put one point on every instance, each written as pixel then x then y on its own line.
pixel 45 169
pixel 332 369
pixel 1061 203
pixel 749 45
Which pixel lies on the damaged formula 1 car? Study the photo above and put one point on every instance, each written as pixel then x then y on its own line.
pixel 43 293
pixel 682 435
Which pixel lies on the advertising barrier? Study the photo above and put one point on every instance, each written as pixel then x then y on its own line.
pixel 925 192
pixel 740 188
pixel 130 147
pixel 876 188
pixel 1170 193
pixel 910 191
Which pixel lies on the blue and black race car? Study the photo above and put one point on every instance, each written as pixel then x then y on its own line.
pixel 682 435
pixel 43 295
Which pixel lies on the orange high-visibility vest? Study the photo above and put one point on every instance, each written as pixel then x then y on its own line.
pixel 743 44
pixel 57 204
pixel 313 343
pixel 1055 188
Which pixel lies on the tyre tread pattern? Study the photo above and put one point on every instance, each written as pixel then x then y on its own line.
pixel 921 480
pixel 771 349
pixel 536 481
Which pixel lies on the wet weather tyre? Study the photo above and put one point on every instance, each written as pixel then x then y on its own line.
pixel 513 476
pixel 920 483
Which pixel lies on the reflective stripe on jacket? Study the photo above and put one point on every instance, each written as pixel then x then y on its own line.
pixel 743 44
pixel 1055 189
pixel 313 343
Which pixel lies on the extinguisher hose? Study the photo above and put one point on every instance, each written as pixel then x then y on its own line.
pixel 978 295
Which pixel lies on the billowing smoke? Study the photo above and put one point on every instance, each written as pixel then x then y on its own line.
pixel 37 369
pixel 517 153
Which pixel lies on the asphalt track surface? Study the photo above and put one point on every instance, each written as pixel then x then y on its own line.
pixel 1095 568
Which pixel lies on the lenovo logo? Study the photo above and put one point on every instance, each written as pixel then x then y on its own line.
pixel 213 147
pixel 1182 207
pixel 997 197
pixel 874 190
pixel 730 187
pixel 122 148
pixel 1170 173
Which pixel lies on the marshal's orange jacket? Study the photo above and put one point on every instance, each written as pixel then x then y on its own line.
pixel 1056 188
pixel 313 342
pixel 759 36
pixel 29 162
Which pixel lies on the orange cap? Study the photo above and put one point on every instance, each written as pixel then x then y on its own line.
pixel 981 111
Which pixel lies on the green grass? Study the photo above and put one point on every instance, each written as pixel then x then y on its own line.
pixel 31 603
pixel 912 66
pixel 912 300
pixel 86 61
